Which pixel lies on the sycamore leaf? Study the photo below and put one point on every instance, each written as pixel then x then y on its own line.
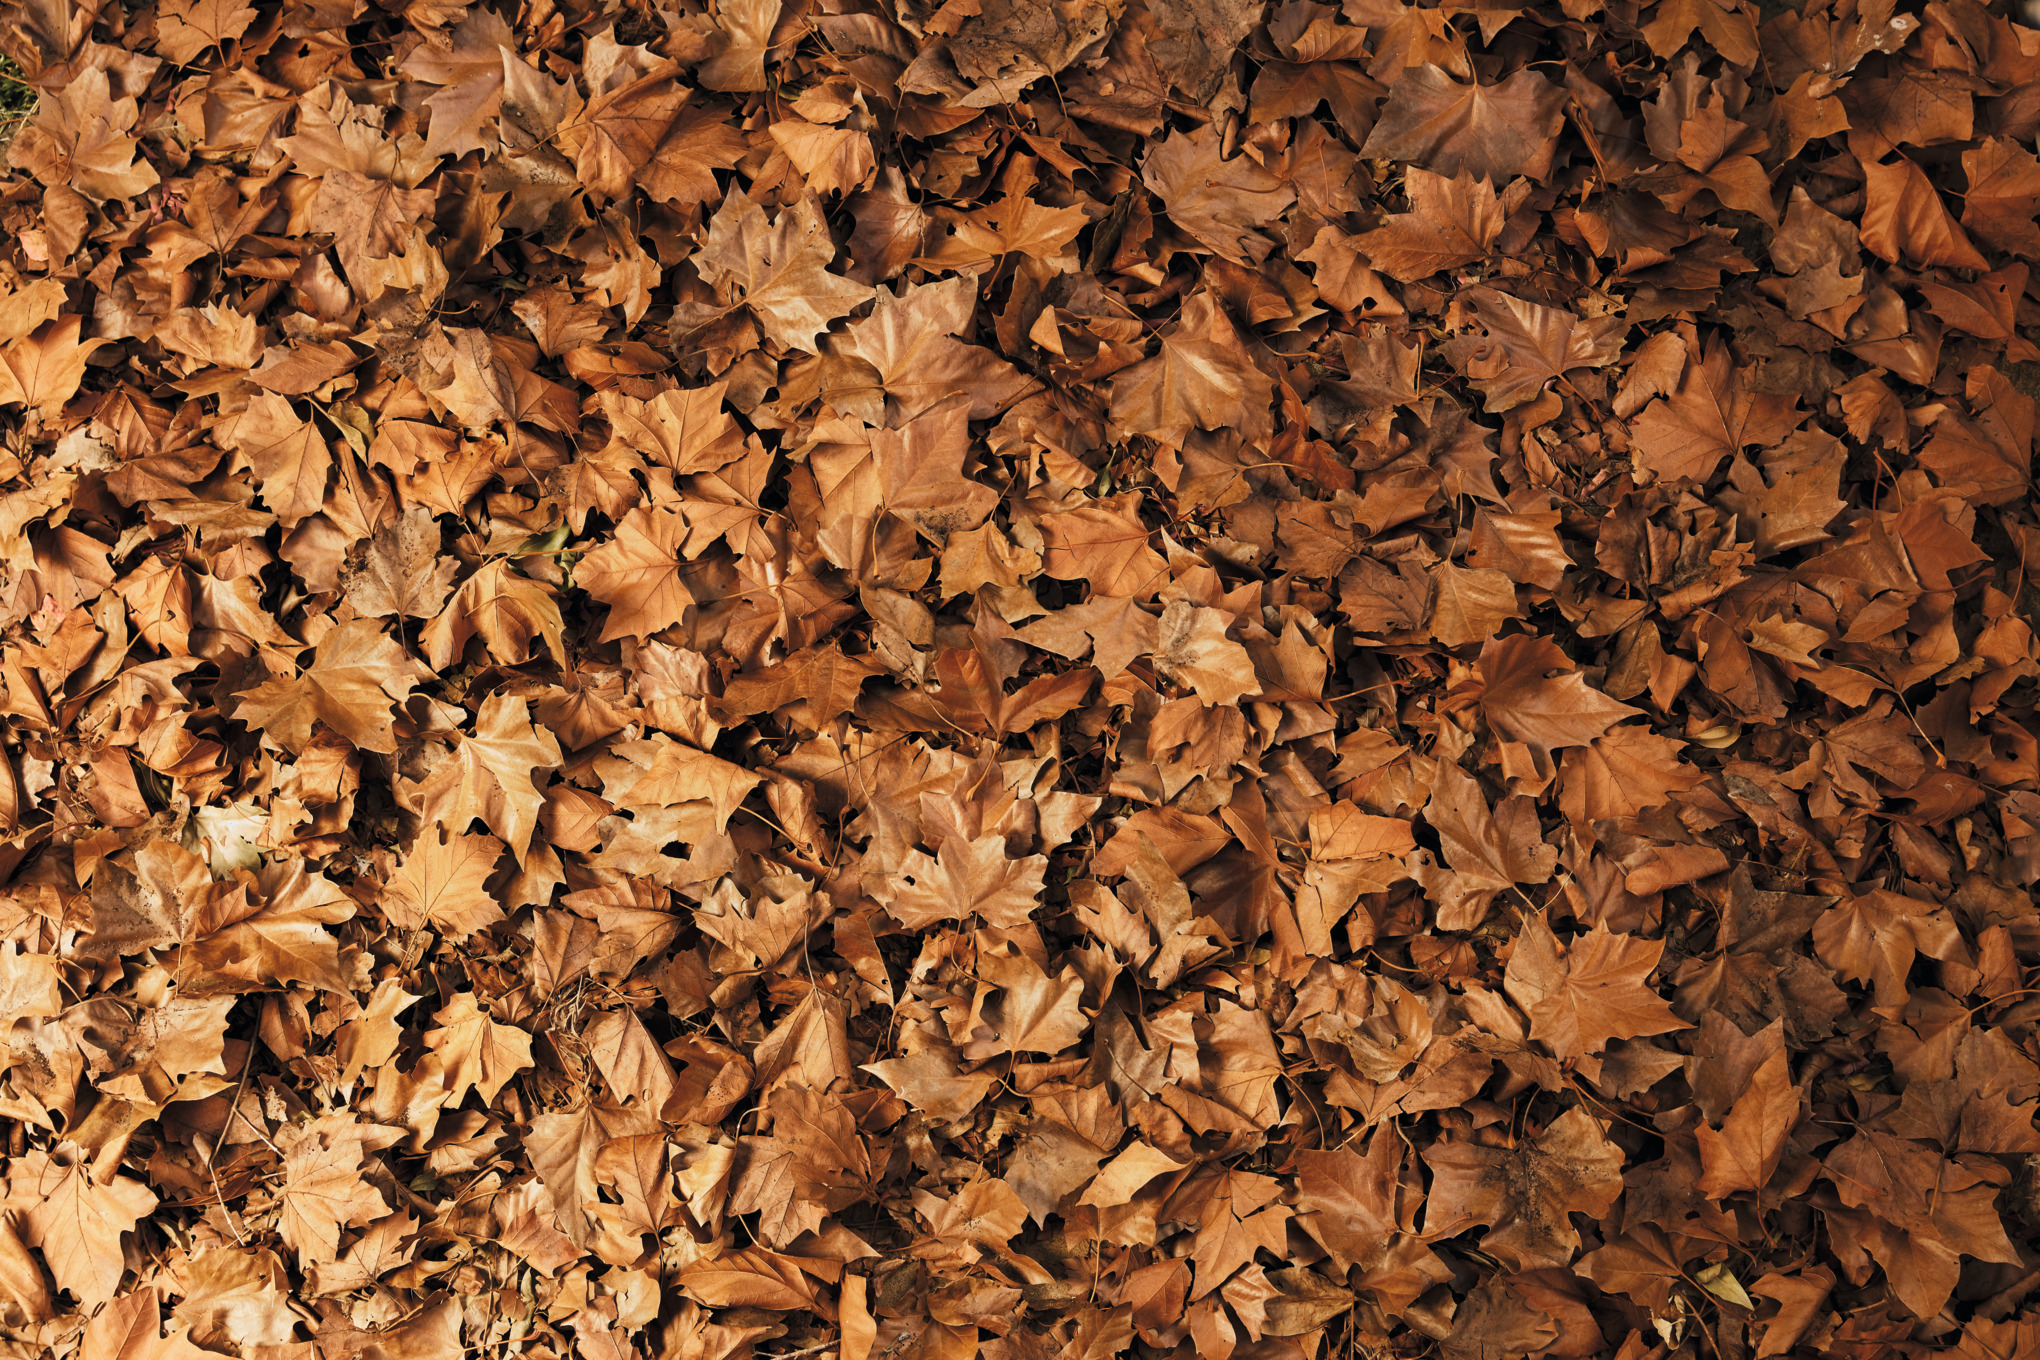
pixel 639 574
pixel 1744 1152
pixel 1524 701
pixel 778 268
pixel 402 571
pixel 1582 995
pixel 477 1050
pixel 185 28
pixel 131 1328
pixel 76 1219
pixel 1625 772
pixel 1236 1217
pixel 968 879
pixel 323 1189
pixel 1525 1193
pixel 490 775
pixel 1191 648
pixel 1218 202
pixel 1201 378
pixel 1706 418
pixel 1493 131
pixel 1452 221
pixel 439 885
pixel 82 137
pixel 514 616
pixel 1031 1013
pixel 44 368
pixel 357 672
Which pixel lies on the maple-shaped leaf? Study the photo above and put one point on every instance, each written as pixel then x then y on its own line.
pixel 357 673
pixel 1030 1012
pixel 1732 32
pixel 1103 543
pixel 1581 995
pixel 920 471
pixel 557 321
pixel 178 1037
pixel 1006 45
pixel 284 939
pixel 972 694
pixel 1925 1211
pixel 289 456
pixel 778 268
pixel 75 1218
pixel 745 33
pixel 821 677
pixel 984 1213
pixel 1640 1263
pixel 1495 132
pixel 1192 649
pixel 1524 701
pixel 1744 1153
pixel 185 28
pixel 401 570
pixel 1997 208
pixel 651 132
pixel 1874 937
pixel 370 1039
pixel 1348 1200
pixel 470 73
pixel 1623 773
pixel 833 160
pixel 513 615
pixel 1111 631
pixel 1452 221
pixel 524 1226
pixel 911 340
pixel 131 1328
pixel 966 879
pixel 1202 378
pixel 1904 218
pixel 44 368
pixel 1236 1216
pixel 479 1052
pixel 640 574
pixel 440 884
pixel 685 429
pixel 1796 497
pixel 488 775
pixel 1525 1193
pixel 661 772
pixel 1708 417
pixel 636 1171
pixel 1488 851
pixel 1987 453
pixel 323 1189
pixel 83 138
pixel 491 381
pixel 1217 201
pixel 1522 347
pixel 1014 224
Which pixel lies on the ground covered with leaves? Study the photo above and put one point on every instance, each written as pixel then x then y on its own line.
pixel 890 680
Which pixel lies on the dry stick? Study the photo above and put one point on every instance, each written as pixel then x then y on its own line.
pixel 233 1109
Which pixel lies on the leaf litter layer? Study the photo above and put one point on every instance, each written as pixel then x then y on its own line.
pixel 887 679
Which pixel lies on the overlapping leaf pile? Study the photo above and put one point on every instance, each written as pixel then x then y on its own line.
pixel 1050 677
